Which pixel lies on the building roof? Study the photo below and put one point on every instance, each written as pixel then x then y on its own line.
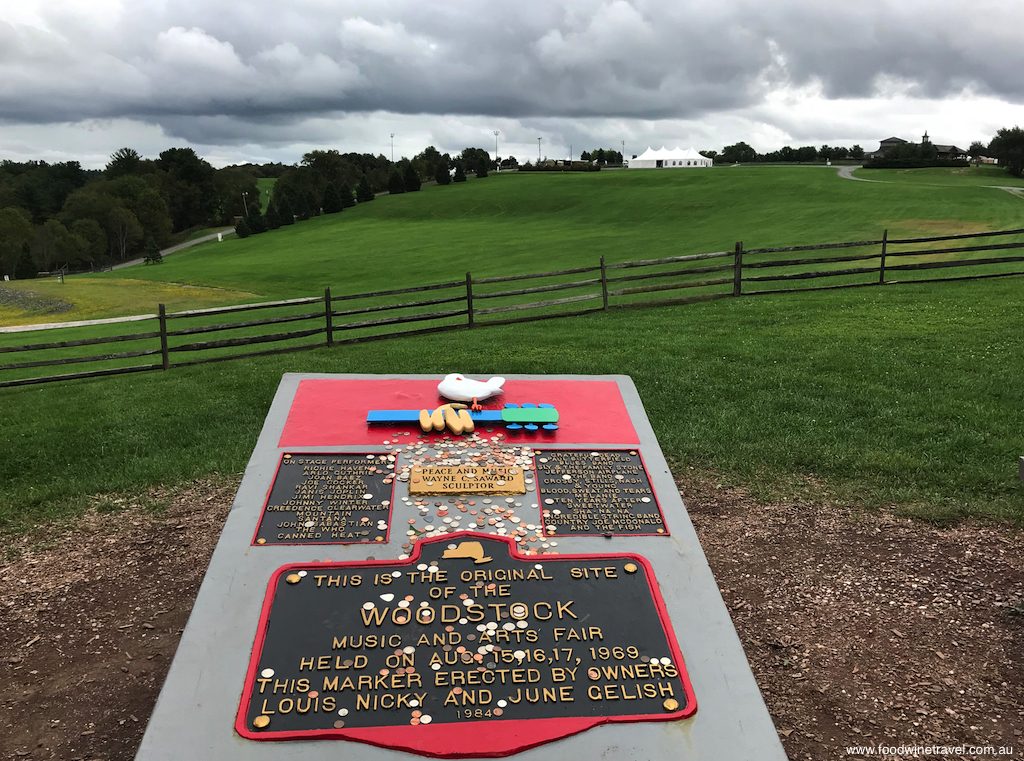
pixel 893 140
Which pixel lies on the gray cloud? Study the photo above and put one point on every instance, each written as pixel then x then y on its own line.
pixel 269 74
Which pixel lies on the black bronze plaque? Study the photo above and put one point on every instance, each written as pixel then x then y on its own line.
pixel 328 499
pixel 466 631
pixel 597 492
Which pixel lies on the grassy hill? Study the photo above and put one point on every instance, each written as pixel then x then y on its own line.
pixel 903 396
pixel 897 396
pixel 528 222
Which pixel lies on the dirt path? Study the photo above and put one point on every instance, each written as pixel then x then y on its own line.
pixel 860 629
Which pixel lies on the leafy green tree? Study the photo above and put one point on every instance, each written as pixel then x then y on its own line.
pixel 364 193
pixel 53 246
pixel 242 228
pixel 976 150
pixel 427 162
pixel 345 193
pixel 92 241
pixel 410 179
pixel 15 237
pixel 125 234
pixel 189 187
pixel 396 184
pixel 460 173
pixel 25 269
pixel 481 171
pixel 124 161
pixel 1008 147
pixel 856 152
pixel 738 153
pixel 473 158
pixel 237 190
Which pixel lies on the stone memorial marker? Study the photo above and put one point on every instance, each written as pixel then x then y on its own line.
pixel 530 586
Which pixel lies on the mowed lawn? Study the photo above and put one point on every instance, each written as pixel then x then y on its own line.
pixel 972 176
pixel 517 223
pixel 905 396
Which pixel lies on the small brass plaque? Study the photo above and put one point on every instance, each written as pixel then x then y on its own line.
pixel 435 480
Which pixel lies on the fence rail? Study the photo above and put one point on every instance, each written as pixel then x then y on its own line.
pixel 199 336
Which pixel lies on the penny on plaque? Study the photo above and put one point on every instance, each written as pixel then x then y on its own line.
pixel 465 631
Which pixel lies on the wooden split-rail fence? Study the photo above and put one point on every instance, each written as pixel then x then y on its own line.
pixel 167 340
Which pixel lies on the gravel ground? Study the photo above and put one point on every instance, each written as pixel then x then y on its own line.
pixel 861 629
pixel 32 302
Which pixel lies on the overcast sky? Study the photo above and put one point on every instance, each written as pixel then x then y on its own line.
pixel 267 80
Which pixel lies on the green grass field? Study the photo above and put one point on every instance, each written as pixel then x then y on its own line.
pixel 905 396
pixel 973 176
pixel 898 396
pixel 266 187
pixel 515 223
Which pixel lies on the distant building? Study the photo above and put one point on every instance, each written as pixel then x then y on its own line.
pixel 665 158
pixel 943 152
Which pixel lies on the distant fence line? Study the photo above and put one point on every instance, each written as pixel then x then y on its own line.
pixel 473 302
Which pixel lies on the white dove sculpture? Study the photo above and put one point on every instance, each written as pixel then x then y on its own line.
pixel 459 388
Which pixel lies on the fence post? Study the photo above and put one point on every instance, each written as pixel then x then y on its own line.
pixel 329 316
pixel 604 285
pixel 737 269
pixel 881 264
pixel 164 353
pixel 469 300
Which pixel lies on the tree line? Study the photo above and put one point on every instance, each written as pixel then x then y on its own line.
pixel 328 182
pixel 59 216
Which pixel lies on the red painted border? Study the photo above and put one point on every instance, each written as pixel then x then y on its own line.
pixel 643 464
pixel 270 490
pixel 503 737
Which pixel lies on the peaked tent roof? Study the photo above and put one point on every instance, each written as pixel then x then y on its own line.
pixel 674 154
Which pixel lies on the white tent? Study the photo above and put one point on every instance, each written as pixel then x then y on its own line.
pixel 674 158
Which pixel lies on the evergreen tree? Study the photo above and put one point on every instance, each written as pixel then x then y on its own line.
pixel 345 191
pixel 444 174
pixel 395 183
pixel 255 221
pixel 272 217
pixel 285 215
pixel 460 173
pixel 242 229
pixel 410 179
pixel 332 199
pixel 364 192
pixel 153 255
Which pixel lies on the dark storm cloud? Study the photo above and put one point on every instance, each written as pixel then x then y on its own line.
pixel 248 72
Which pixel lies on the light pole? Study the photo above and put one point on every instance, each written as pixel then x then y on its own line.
pixel 538 149
pixel 623 153
pixel 245 203
pixel 392 147
pixel 498 165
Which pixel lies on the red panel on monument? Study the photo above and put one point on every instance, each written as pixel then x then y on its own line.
pixel 329 412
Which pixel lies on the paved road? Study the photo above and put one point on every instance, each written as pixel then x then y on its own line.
pixel 846 172
pixel 179 247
